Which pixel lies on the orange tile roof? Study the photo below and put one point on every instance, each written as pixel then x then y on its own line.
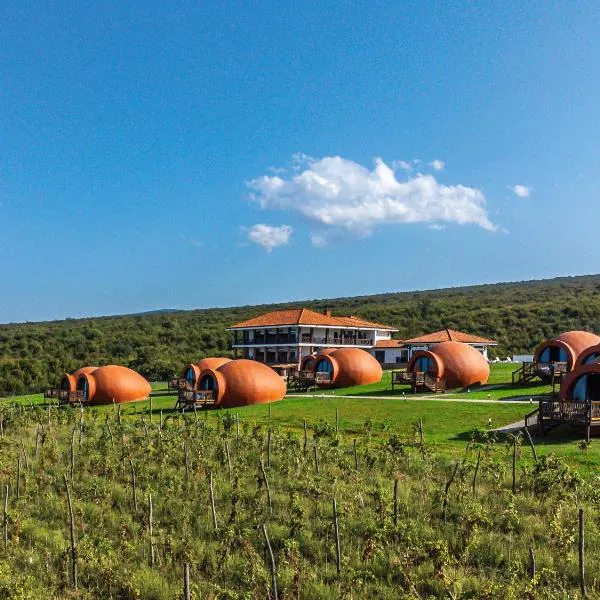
pixel 305 316
pixel 449 335
pixel 389 344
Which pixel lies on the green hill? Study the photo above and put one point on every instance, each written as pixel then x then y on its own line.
pixel 518 315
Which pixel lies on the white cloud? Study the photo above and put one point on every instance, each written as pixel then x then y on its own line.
pixel 318 240
pixel 402 164
pixel 522 191
pixel 437 164
pixel 436 227
pixel 340 193
pixel 268 236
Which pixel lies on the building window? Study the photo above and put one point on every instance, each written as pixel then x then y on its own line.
pixel 380 356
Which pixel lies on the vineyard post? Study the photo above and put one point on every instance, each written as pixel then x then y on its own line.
pixel 133 486
pixel 581 548
pixel 72 533
pixel 80 425
pixel 161 419
pixel 73 454
pixel 212 502
pixel 316 451
pixel 395 502
pixel 305 437
pixel 355 455
pixel 272 564
pixel 37 441
pixel 474 485
pixel 531 562
pixel 25 456
pixel 447 489
pixel 150 530
pixel 5 515
pixel 237 427
pixel 186 581
pixel 18 474
pixel 269 448
pixel 228 454
pixel 150 416
pixel 336 529
pixel 531 444
pixel 110 434
pixel 264 474
pixel 514 466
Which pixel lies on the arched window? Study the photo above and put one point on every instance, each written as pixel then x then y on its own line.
pixel 190 376
pixel 586 388
pixel 422 364
pixel 591 358
pixel 553 354
pixel 82 386
pixel 324 366
pixel 207 383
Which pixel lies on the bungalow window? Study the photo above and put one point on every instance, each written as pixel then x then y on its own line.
pixel 324 366
pixel 207 383
pixel 587 388
pixel 553 354
pixel 423 364
pixel 591 358
pixel 83 386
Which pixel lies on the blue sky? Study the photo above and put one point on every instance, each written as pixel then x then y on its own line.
pixel 213 154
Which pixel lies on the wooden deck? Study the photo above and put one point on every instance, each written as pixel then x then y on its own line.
pixel 552 413
pixel 550 371
pixel 188 398
pixel 419 381
pixel 65 396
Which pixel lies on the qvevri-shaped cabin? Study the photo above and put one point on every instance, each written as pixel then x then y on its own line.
pixel 191 372
pixel 101 385
pixel 346 367
pixel 560 354
pixel 448 365
pixel 237 383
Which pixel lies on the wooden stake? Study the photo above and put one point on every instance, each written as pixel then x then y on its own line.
pixel 110 434
pixel 447 489
pixel 316 452
pixel 581 547
pixel 186 581
pixel 237 426
pixel 336 529
pixel 25 456
pixel 212 502
pixel 272 564
pixel 305 437
pixel 18 474
pixel 269 447
pixel 531 563
pixel 72 532
pixel 161 419
pixel 133 486
pixel 355 455
pixel 474 485
pixel 228 455
pixel 80 426
pixel 528 436
pixel 264 474
pixel 150 514
pixel 395 502
pixel 73 454
pixel 5 515
pixel 150 408
pixel 514 467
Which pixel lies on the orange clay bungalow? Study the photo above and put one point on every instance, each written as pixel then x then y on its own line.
pixel 112 383
pixel 241 383
pixel 448 365
pixel 346 367
pixel 192 371
pixel 69 381
pixel 560 353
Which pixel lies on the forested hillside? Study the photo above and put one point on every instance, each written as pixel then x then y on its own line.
pixel 517 315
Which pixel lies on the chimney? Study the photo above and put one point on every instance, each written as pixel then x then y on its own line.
pixel 327 312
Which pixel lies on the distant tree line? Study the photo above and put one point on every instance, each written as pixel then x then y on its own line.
pixel 517 315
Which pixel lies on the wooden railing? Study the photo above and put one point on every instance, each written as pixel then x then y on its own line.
pixel 65 396
pixel 419 380
pixel 179 383
pixel 323 378
pixel 529 370
pixel 190 398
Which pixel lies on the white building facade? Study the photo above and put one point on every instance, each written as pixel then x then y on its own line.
pixel 286 337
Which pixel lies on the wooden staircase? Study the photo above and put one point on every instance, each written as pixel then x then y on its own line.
pixel 525 373
pixel 187 398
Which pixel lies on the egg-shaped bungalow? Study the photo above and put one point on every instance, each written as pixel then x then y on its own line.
pixel 457 364
pixel 345 367
pixel 192 371
pixel 241 383
pixel 560 354
pixel 112 383
pixel 581 384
